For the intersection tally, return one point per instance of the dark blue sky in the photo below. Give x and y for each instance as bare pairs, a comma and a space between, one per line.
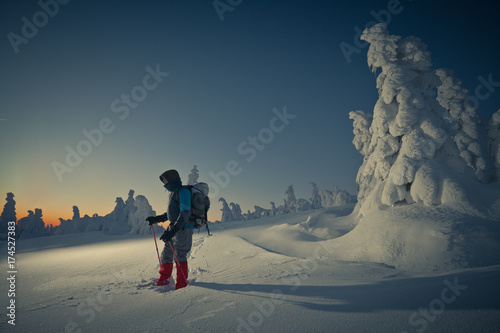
225, 78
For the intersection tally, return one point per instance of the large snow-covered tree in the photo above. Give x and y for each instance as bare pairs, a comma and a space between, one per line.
410, 137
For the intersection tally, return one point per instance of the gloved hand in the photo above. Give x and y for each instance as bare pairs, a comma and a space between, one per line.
155, 219
169, 234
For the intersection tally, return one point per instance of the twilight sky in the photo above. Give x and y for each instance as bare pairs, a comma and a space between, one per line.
261, 90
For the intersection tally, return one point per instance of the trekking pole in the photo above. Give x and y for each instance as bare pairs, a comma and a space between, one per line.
177, 261
154, 236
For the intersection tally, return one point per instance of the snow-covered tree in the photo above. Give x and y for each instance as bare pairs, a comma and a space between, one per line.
193, 176
130, 205
227, 214
138, 217
95, 223
407, 144
23, 222
303, 204
465, 125
315, 197
362, 135
64, 227
494, 135
291, 201
122, 210
8, 213
31, 225
362, 139
236, 211
76, 213
81, 224
119, 216
260, 212
274, 210
118, 213
337, 197
282, 208
248, 215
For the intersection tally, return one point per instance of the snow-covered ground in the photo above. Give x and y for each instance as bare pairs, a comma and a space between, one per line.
288, 273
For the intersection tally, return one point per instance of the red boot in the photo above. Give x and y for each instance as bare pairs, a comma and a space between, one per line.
165, 273
182, 275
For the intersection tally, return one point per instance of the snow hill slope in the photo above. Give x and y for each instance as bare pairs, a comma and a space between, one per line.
285, 273
462, 232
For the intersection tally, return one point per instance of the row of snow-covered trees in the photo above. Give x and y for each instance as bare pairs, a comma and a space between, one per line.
319, 199
425, 132
323, 198
127, 217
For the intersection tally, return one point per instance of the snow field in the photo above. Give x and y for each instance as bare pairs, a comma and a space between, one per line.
280, 273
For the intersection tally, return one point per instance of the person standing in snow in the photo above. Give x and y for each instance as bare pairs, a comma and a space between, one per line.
180, 231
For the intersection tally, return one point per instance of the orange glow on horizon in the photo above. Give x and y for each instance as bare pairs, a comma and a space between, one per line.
47, 217
52, 213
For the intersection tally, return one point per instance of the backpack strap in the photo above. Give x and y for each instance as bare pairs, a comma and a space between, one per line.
190, 221
176, 198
